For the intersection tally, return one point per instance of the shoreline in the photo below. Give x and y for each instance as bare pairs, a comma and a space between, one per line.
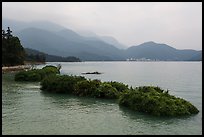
26, 66
15, 68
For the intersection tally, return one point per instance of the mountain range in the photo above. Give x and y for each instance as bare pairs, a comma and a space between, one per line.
50, 58
54, 39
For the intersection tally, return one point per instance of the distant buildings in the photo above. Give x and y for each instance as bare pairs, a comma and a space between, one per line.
141, 59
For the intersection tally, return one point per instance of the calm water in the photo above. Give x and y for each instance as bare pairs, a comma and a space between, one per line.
27, 110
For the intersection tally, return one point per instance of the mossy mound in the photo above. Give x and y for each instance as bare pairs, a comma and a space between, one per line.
156, 101
36, 74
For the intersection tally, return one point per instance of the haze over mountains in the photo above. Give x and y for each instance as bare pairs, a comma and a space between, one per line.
57, 40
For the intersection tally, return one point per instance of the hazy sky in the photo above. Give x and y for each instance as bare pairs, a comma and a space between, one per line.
178, 24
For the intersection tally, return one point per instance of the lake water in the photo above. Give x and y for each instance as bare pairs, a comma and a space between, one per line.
28, 110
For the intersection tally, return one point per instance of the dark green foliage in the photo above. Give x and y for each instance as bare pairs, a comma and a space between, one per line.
119, 86
60, 83
155, 101
36, 74
106, 90
65, 59
47, 70
12, 51
36, 57
86, 87
79, 86
31, 75
95, 88
148, 99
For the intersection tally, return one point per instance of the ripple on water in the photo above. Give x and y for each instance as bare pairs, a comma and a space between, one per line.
26, 110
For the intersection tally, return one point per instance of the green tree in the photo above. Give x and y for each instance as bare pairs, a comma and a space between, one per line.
12, 51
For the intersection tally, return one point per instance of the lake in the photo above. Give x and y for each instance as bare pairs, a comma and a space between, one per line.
28, 110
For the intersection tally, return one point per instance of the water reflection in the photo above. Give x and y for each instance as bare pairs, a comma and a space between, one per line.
134, 115
28, 110
64, 100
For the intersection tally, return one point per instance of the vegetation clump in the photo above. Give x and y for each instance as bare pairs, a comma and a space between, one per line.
36, 74
96, 89
148, 99
12, 51
60, 83
156, 101
86, 87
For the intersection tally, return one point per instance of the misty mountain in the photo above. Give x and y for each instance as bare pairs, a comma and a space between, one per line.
196, 57
108, 39
86, 33
13, 24
50, 26
70, 35
42, 40
20, 25
52, 58
54, 39
156, 51
113, 41
67, 43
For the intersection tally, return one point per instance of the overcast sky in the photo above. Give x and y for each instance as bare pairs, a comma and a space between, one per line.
176, 24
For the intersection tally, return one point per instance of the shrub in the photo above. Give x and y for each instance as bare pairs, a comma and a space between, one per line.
36, 74
32, 75
119, 86
20, 76
147, 99
86, 87
105, 90
60, 83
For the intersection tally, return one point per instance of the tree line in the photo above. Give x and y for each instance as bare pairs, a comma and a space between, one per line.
13, 52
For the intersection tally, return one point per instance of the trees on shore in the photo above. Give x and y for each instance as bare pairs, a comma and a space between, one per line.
12, 51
